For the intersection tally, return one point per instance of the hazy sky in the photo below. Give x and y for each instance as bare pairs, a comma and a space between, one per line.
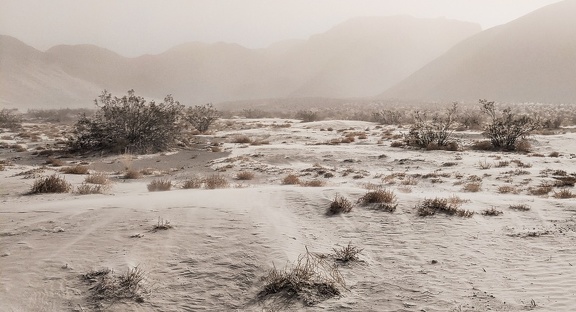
135, 27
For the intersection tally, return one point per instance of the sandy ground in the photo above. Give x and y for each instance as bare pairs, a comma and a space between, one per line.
224, 241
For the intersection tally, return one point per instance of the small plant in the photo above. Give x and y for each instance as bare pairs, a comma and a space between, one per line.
158, 185
519, 207
241, 139
431, 206
97, 178
78, 169
313, 183
85, 189
162, 225
310, 280
132, 174
291, 179
55, 162
216, 181
554, 154
192, 183
244, 175
472, 187
435, 133
50, 184
484, 165
541, 190
378, 196
491, 212
347, 253
112, 288
339, 205
505, 189
563, 194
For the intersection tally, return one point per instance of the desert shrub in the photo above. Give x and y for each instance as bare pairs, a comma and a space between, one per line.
564, 181
244, 175
505, 189
491, 212
112, 288
471, 120
97, 178
243, 139
431, 206
161, 225
554, 154
50, 184
54, 162
482, 145
85, 189
519, 207
388, 117
291, 179
339, 205
472, 187
396, 144
377, 196
307, 115
541, 190
132, 174
128, 123
347, 253
78, 169
563, 194
432, 134
310, 280
506, 128
202, 116
484, 165
216, 181
192, 183
313, 183
158, 185
9, 119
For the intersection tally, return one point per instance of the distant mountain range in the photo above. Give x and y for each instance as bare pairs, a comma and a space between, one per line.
531, 59
358, 58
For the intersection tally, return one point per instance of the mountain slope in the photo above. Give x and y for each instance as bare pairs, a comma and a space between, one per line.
531, 59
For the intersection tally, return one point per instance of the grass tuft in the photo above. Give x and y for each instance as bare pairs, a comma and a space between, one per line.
50, 184
158, 185
339, 205
347, 254
430, 207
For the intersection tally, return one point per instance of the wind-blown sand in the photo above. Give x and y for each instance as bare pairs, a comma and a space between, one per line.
224, 241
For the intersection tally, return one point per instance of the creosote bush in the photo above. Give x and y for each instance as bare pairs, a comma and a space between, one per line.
435, 133
129, 124
202, 116
50, 184
339, 205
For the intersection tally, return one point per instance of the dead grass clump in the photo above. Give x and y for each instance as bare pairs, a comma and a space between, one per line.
310, 280
192, 183
78, 169
472, 187
482, 146
55, 162
85, 189
484, 165
50, 184
339, 205
564, 181
158, 185
347, 254
491, 212
409, 181
519, 207
132, 174
505, 189
502, 163
554, 154
291, 179
97, 178
523, 146
216, 181
397, 144
313, 183
244, 175
162, 225
541, 190
430, 207
242, 139
377, 197
112, 288
563, 194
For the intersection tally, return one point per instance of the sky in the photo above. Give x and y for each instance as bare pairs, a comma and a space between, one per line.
136, 27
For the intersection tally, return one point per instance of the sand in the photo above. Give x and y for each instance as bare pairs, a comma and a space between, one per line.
224, 241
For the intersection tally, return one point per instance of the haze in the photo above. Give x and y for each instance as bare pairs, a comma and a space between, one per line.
136, 27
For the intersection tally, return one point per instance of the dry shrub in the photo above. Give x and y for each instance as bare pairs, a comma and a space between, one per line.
244, 175
310, 280
472, 187
192, 183
523, 146
519, 207
158, 185
85, 189
216, 181
97, 178
541, 190
502, 163
132, 174
291, 179
563, 194
482, 146
78, 169
484, 165
377, 197
313, 183
147, 171
55, 162
491, 212
161, 225
409, 181
397, 144
339, 205
347, 254
554, 154
50, 184
431, 206
564, 181
243, 139
505, 189
112, 288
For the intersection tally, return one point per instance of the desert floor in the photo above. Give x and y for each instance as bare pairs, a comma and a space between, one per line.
224, 241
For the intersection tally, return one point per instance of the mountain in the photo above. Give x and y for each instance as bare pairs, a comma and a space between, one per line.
354, 59
531, 59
